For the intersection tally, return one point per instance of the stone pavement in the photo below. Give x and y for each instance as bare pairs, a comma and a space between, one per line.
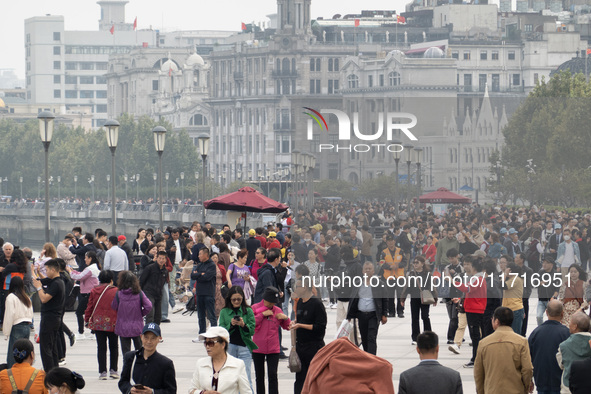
394, 344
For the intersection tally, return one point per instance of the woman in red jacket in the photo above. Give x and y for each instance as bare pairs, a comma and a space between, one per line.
429, 250
101, 318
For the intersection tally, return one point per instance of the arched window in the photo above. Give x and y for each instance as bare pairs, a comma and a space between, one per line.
278, 65
394, 78
293, 66
285, 66
198, 120
353, 81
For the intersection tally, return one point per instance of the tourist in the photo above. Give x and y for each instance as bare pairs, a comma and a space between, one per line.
18, 315
64, 381
419, 281
88, 280
21, 376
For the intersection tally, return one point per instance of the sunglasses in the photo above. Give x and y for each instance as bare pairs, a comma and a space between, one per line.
211, 342
236, 299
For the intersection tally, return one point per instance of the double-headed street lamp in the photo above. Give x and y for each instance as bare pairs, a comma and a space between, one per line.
203, 143
137, 187
75, 187
159, 140
46, 119
59, 187
112, 127
125, 179
295, 162
20, 180
418, 154
91, 181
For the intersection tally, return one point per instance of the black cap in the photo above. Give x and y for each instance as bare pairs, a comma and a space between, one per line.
271, 294
548, 258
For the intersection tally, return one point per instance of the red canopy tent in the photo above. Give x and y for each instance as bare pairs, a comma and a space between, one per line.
444, 196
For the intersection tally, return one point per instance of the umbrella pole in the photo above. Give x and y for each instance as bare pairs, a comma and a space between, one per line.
245, 216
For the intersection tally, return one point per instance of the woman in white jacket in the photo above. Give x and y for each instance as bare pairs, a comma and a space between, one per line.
17, 316
219, 372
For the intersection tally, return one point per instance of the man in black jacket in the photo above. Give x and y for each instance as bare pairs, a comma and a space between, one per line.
147, 367
268, 275
122, 241
80, 250
252, 244
152, 280
370, 307
204, 275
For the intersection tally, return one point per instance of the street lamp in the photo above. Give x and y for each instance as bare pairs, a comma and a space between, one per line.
125, 178
91, 181
20, 180
59, 187
112, 127
46, 131
196, 187
419, 152
159, 140
155, 176
498, 171
108, 187
268, 176
75, 187
408, 149
182, 186
531, 167
203, 143
396, 154
166, 176
137, 187
295, 160
38, 187
312, 167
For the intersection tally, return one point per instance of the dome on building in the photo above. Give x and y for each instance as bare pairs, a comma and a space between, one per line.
575, 65
434, 53
396, 53
169, 65
194, 59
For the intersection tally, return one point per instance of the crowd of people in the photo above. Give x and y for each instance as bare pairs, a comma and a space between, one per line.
251, 288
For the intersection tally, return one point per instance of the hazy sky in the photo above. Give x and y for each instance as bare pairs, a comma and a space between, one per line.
166, 15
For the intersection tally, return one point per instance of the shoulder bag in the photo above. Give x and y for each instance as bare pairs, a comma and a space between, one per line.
294, 364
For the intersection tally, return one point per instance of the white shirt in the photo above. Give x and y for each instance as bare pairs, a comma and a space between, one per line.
177, 257
569, 255
116, 259
232, 377
16, 312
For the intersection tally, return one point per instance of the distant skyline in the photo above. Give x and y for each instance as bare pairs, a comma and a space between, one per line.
169, 15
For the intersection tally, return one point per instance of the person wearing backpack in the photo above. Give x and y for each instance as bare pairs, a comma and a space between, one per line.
23, 377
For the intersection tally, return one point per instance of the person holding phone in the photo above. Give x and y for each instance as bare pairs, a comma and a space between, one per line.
238, 318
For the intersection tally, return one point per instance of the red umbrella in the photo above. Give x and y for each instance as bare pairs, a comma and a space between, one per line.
443, 196
246, 199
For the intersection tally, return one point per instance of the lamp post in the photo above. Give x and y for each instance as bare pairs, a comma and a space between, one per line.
137, 187
159, 140
295, 159
91, 181
419, 152
59, 187
498, 171
46, 131
268, 173
166, 176
531, 171
108, 186
20, 180
396, 154
182, 186
75, 187
155, 177
196, 187
203, 143
312, 167
408, 149
112, 127
305, 164
125, 178
38, 187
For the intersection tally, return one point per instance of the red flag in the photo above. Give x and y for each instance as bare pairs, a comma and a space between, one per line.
135, 23
144, 44
357, 22
243, 26
112, 29
588, 51
400, 19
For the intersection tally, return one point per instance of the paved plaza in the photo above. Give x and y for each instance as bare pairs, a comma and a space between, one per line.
394, 344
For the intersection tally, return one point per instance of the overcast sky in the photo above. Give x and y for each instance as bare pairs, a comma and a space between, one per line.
166, 15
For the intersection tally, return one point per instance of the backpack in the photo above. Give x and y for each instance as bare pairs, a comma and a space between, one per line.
15, 389
191, 306
532, 256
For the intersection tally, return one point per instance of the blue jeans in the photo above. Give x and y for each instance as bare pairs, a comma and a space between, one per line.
18, 331
206, 304
517, 321
540, 312
244, 354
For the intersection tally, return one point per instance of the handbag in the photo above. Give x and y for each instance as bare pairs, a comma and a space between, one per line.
427, 296
294, 362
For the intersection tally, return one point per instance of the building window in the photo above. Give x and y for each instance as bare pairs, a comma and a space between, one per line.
198, 120
57, 50
483, 55
57, 79
467, 79
370, 81
511, 55
101, 94
71, 79
466, 55
381, 79
481, 82
87, 94
71, 66
101, 80
455, 55
57, 65
315, 64
536, 78
516, 79
333, 86
101, 108
86, 80
353, 81
57, 93
496, 83
86, 66
56, 36
71, 94
333, 64
528, 28
101, 65
495, 55
314, 86
394, 78
155, 84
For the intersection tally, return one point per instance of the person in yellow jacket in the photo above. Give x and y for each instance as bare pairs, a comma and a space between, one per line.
23, 376
390, 267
